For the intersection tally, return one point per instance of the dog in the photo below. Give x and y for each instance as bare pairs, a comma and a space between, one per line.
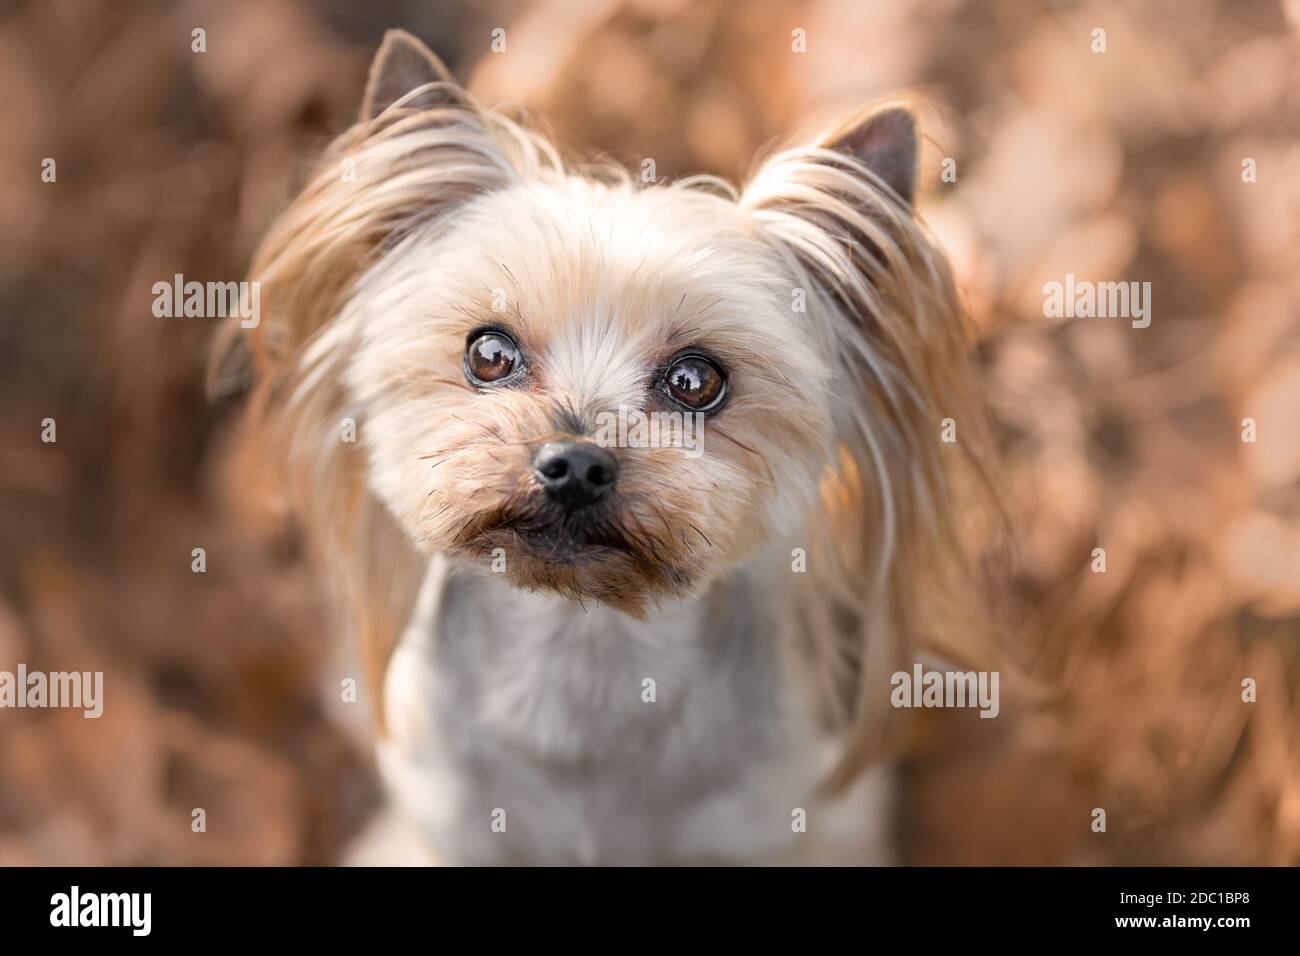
590, 650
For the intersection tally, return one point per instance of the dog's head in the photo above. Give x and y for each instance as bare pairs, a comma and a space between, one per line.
605, 388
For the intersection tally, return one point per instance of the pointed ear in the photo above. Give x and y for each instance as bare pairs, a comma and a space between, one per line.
403, 64
884, 140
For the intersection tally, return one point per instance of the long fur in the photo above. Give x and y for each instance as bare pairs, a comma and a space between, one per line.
900, 570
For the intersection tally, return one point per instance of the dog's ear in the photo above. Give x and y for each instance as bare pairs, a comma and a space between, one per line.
883, 140
881, 293
404, 64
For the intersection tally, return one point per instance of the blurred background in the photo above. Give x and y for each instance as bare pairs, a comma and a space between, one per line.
222, 687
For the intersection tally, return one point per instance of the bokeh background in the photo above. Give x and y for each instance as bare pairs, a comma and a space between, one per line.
222, 688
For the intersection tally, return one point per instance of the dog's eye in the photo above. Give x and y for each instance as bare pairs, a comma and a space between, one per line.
491, 357
696, 382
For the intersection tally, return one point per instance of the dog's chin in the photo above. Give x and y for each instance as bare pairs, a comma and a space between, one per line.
583, 560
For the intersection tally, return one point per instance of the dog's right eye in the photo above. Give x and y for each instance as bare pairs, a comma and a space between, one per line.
492, 357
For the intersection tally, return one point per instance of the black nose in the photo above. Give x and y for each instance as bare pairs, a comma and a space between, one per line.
575, 473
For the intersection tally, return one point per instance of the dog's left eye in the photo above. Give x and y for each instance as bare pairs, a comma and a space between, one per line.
491, 357
696, 382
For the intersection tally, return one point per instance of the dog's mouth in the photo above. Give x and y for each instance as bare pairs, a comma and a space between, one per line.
589, 554
554, 536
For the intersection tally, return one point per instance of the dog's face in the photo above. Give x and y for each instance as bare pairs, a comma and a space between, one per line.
603, 389
498, 352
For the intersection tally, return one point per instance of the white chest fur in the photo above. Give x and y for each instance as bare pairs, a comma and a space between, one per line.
528, 729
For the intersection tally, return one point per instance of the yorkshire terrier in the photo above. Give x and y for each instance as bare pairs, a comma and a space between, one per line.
586, 647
